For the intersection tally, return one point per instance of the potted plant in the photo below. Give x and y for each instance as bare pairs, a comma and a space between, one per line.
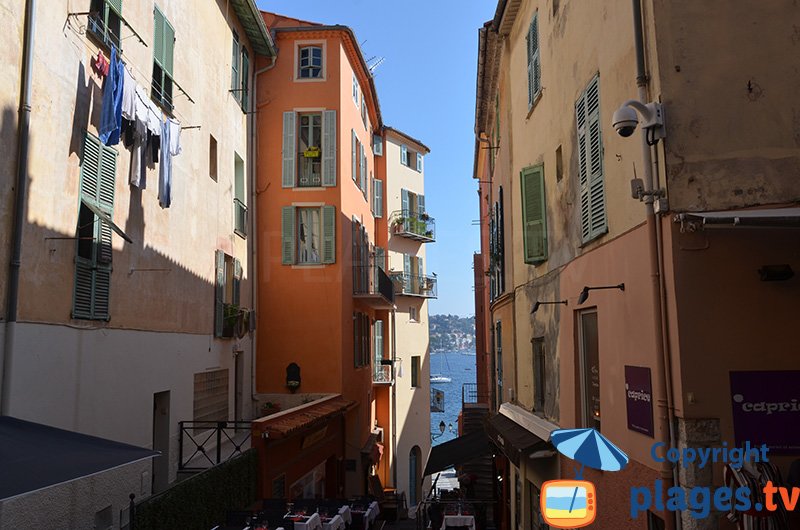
270, 407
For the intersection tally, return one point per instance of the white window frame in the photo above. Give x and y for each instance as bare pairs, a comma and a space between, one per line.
356, 90
296, 65
413, 315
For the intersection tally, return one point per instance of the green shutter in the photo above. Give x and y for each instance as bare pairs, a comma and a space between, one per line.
378, 198
363, 180
590, 163
287, 226
329, 148
102, 289
84, 285
158, 37
534, 214
378, 331
353, 142
235, 66
237, 281
245, 79
116, 5
328, 234
289, 148
407, 264
90, 167
219, 292
169, 47
404, 203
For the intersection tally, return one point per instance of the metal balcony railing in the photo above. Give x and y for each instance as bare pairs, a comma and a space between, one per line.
382, 373
437, 400
418, 226
371, 282
470, 394
239, 218
414, 285
204, 444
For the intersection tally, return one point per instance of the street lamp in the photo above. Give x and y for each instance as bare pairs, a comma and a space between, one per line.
442, 428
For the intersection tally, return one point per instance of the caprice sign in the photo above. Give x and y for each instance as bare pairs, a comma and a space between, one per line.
766, 409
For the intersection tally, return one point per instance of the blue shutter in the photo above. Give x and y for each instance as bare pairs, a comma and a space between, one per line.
289, 148
404, 155
404, 202
329, 148
353, 142
328, 234
288, 218
378, 184
419, 162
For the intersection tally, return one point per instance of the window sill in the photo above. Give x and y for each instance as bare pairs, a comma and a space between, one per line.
241, 234
309, 188
308, 266
535, 102
309, 79
593, 239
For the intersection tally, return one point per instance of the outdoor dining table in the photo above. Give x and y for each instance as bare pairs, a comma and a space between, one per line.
458, 520
333, 523
344, 511
305, 522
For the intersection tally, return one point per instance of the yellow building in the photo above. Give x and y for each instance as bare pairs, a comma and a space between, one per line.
127, 304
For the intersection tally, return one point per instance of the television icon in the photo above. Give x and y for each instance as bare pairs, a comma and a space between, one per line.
568, 503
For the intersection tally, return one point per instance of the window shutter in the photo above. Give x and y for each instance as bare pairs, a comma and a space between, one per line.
419, 162
169, 46
356, 339
158, 37
420, 268
107, 174
378, 198
404, 202
235, 66
328, 234
534, 214
245, 92
534, 64
353, 142
372, 197
289, 154
84, 285
363, 183
378, 342
237, 281
590, 163
102, 289
377, 145
404, 155
287, 229
219, 292
329, 148
407, 264
116, 5
420, 204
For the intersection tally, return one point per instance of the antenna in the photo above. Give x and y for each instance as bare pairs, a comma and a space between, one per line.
375, 64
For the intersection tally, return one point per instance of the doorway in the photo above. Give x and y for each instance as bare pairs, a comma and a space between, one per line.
161, 441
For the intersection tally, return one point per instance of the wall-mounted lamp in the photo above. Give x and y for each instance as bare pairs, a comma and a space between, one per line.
585, 292
538, 303
775, 273
292, 377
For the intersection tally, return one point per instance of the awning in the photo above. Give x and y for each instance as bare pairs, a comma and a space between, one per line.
457, 451
774, 217
373, 450
516, 441
35, 456
104, 217
300, 418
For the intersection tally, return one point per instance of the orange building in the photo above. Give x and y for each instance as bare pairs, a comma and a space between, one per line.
324, 299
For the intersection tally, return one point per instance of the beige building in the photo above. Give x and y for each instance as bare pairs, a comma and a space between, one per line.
411, 228
713, 168
129, 310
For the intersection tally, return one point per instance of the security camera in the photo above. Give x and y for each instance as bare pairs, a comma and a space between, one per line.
625, 121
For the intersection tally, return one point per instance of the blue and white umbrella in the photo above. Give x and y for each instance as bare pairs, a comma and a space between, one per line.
589, 448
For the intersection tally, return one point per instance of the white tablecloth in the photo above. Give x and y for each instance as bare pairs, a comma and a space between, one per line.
372, 512
344, 511
336, 523
312, 523
458, 520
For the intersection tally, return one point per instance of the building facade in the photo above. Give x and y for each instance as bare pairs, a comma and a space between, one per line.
593, 292
127, 304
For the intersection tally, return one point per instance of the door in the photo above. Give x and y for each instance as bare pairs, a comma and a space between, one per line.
238, 375
161, 441
413, 475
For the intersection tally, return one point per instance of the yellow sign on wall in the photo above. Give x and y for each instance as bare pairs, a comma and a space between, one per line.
311, 152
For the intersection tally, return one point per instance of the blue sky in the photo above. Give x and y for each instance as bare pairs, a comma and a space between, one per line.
426, 88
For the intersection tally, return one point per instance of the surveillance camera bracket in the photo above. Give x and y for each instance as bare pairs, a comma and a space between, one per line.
652, 116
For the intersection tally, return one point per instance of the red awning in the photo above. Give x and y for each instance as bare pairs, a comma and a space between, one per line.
300, 418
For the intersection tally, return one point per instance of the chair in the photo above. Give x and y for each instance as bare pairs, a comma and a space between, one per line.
389, 501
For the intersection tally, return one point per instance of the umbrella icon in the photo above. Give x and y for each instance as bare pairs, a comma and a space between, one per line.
589, 448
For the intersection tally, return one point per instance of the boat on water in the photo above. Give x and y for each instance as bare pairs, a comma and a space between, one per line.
439, 378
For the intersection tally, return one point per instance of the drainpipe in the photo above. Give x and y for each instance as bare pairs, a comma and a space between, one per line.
253, 140
667, 418
23, 133
394, 399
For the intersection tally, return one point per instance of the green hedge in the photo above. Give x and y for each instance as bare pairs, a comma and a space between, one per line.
201, 502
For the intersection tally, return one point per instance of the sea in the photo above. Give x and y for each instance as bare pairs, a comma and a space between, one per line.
460, 368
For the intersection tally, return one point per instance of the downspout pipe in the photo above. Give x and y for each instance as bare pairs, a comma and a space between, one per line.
394, 398
20, 198
667, 417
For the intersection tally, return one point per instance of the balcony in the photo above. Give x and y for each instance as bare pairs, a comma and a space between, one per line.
413, 225
382, 373
372, 286
437, 400
239, 218
414, 285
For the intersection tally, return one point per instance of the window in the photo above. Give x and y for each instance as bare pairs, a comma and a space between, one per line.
590, 163
364, 112
363, 179
310, 62
377, 145
537, 522
377, 197
404, 155
412, 314
211, 396
654, 522
240, 72
309, 149
228, 318
414, 281
356, 152
518, 508
361, 339
589, 369
539, 380
533, 214
559, 164
534, 62
96, 211
497, 249
105, 21
308, 235
356, 90
309, 140
239, 198
415, 371
360, 257
212, 157
163, 48
419, 162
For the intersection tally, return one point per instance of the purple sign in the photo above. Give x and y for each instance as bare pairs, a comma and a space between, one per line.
639, 399
766, 409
